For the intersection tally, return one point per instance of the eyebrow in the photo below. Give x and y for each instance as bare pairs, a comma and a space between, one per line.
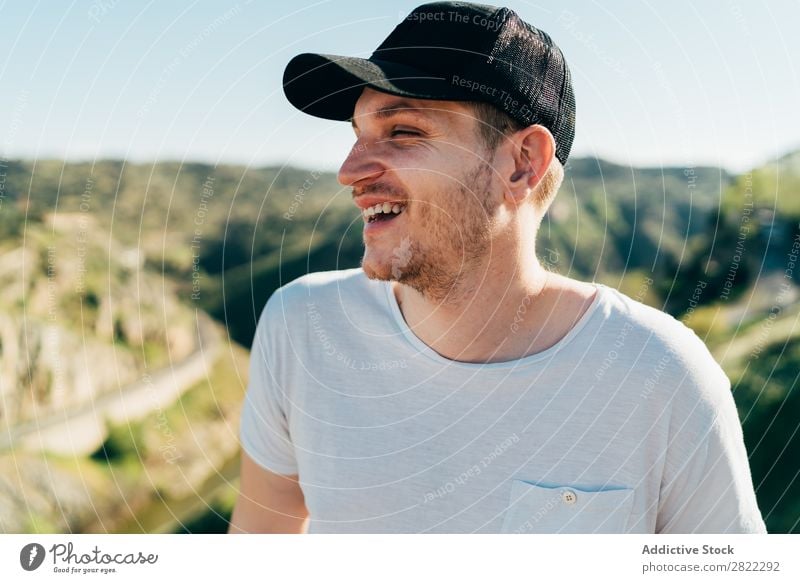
392, 110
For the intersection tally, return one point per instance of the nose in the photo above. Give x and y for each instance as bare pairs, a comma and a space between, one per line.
361, 165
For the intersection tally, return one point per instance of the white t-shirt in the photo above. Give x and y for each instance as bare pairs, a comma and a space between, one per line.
625, 425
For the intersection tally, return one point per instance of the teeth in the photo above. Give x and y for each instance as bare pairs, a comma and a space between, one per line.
383, 207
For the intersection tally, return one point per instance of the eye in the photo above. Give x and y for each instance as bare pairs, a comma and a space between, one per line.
404, 132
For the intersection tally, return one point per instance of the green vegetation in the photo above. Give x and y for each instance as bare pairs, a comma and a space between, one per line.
121, 445
768, 397
185, 457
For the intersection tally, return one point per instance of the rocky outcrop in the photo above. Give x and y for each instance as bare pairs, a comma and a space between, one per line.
80, 318
39, 494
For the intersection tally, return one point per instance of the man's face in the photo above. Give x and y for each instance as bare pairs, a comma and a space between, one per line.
424, 159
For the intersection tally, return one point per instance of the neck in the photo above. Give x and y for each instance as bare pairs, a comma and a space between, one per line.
497, 311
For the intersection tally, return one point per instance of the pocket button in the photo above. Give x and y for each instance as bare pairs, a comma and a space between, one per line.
569, 496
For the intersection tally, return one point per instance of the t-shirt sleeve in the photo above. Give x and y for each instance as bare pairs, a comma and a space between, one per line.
264, 429
710, 489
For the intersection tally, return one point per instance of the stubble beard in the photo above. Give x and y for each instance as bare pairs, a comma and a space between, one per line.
442, 267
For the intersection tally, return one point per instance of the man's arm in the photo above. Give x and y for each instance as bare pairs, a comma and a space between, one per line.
268, 502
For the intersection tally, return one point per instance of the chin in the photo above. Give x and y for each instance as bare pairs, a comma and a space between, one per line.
380, 270
401, 264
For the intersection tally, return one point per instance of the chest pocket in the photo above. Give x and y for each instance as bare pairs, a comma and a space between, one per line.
565, 509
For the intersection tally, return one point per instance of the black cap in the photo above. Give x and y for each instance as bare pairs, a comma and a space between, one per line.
453, 51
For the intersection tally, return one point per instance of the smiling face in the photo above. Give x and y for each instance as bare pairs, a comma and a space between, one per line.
427, 189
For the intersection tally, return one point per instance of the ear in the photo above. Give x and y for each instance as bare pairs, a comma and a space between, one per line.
533, 149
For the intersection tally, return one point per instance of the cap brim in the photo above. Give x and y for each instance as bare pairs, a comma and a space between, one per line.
328, 86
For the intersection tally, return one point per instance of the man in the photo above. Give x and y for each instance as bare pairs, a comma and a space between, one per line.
453, 384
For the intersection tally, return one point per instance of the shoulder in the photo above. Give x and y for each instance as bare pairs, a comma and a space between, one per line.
662, 331
333, 293
321, 286
674, 365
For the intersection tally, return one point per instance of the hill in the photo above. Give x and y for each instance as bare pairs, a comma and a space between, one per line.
167, 239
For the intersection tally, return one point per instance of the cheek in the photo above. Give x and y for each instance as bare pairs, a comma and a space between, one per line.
439, 224
428, 212
444, 203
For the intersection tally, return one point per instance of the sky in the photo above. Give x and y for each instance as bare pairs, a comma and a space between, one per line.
657, 84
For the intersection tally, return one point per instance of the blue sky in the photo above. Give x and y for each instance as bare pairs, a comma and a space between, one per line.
656, 83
